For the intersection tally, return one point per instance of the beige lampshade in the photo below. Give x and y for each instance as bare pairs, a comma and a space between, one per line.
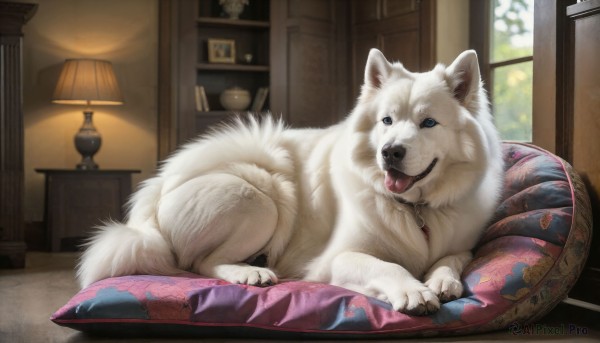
87, 82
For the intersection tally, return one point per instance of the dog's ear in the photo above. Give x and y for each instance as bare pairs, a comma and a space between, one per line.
378, 69
463, 77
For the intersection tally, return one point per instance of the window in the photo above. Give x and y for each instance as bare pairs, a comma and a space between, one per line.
503, 36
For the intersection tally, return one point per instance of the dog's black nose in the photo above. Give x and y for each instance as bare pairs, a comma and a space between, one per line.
393, 153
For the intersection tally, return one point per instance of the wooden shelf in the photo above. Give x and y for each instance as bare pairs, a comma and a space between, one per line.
218, 113
239, 23
233, 67
201, 21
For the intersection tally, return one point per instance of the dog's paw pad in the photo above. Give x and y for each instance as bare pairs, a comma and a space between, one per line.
265, 278
256, 276
446, 288
415, 300
246, 275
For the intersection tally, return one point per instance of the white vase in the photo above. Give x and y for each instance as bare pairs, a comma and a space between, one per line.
233, 7
235, 99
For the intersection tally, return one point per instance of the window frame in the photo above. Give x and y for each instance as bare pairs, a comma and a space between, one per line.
479, 33
480, 39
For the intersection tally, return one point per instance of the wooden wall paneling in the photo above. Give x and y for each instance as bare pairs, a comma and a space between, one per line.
319, 10
566, 104
167, 78
307, 66
395, 44
13, 17
361, 45
278, 56
404, 30
583, 87
549, 24
394, 8
342, 59
578, 140
310, 62
427, 36
479, 37
187, 60
209, 119
365, 11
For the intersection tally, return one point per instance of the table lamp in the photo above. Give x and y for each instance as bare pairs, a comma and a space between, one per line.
87, 82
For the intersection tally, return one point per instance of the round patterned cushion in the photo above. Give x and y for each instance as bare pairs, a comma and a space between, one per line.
535, 248
527, 261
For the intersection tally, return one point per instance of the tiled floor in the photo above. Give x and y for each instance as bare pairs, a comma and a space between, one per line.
28, 297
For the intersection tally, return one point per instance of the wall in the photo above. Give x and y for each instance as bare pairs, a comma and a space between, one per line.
452, 32
123, 32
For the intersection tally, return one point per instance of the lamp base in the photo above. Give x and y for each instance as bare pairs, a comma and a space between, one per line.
87, 143
87, 164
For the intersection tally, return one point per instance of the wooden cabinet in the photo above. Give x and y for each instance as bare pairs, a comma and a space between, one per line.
192, 25
78, 200
299, 49
250, 37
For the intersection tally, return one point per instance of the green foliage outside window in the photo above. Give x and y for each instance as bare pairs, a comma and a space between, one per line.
512, 37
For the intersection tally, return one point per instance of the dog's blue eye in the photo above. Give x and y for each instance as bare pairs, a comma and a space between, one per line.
387, 120
429, 122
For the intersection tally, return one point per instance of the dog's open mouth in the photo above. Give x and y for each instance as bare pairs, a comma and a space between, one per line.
398, 182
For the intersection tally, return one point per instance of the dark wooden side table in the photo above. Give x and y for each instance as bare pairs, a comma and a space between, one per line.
79, 200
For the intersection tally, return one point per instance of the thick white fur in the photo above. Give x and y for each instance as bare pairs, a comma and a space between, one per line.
314, 201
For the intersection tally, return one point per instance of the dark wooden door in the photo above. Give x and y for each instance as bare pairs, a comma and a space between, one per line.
402, 29
309, 61
566, 104
579, 136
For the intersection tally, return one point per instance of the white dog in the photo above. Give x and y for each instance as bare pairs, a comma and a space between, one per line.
397, 193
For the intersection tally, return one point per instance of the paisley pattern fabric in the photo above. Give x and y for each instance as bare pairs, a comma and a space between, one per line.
526, 262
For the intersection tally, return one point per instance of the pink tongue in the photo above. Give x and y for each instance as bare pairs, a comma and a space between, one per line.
396, 181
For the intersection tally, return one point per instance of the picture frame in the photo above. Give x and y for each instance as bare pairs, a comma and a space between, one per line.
221, 50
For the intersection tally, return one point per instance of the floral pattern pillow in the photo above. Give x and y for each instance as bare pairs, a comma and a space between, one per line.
526, 262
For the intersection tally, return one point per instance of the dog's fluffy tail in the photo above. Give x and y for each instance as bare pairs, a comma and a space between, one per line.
121, 250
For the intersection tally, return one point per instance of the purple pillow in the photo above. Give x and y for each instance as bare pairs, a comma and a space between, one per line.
526, 262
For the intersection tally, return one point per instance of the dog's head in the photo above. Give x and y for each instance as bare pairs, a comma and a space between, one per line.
424, 137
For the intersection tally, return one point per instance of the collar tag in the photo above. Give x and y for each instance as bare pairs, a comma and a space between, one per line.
418, 215
420, 220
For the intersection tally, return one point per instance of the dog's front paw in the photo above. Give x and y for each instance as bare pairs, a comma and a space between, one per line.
246, 274
446, 287
415, 299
